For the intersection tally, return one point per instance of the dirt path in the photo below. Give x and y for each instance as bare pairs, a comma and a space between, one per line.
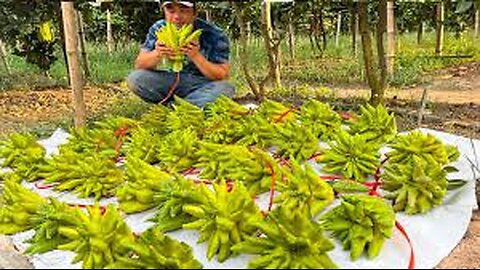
456, 85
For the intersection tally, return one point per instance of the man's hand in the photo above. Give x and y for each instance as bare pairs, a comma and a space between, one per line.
192, 50
163, 51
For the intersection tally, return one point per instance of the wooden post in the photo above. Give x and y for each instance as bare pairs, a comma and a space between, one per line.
208, 15
3, 56
75, 72
477, 22
339, 29
109, 31
248, 33
440, 28
421, 110
83, 49
390, 38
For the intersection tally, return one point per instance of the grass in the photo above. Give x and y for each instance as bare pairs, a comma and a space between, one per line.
334, 66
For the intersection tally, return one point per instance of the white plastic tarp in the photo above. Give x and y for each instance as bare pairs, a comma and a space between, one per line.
433, 235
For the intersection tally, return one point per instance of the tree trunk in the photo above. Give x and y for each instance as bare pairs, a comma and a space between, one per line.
291, 39
390, 38
440, 28
381, 31
3, 57
272, 53
368, 57
477, 22
354, 30
83, 49
420, 32
239, 16
71, 42
109, 31
339, 29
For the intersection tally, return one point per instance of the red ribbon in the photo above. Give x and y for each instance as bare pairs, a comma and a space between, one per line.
314, 156
284, 114
39, 186
172, 88
103, 209
411, 262
119, 133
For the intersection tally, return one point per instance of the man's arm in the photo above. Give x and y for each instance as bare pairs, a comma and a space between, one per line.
215, 72
147, 59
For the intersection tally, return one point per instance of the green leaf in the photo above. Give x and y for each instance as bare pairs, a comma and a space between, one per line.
455, 184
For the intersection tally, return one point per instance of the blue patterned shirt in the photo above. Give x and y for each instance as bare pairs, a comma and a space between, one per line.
214, 43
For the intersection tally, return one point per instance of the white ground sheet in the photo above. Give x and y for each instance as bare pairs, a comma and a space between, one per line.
433, 235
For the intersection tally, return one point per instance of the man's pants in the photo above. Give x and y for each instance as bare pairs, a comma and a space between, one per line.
153, 86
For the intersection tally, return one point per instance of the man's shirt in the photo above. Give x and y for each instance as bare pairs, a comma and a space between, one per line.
214, 44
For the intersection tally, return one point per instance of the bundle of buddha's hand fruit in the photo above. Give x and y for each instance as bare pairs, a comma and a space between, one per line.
175, 38
223, 219
321, 118
143, 180
48, 220
289, 240
103, 138
154, 250
276, 112
178, 149
351, 156
415, 187
156, 119
303, 190
224, 117
361, 223
293, 140
375, 124
423, 146
85, 174
170, 197
144, 143
96, 237
185, 115
22, 154
18, 207
237, 163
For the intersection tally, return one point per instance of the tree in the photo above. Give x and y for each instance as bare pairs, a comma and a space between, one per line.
376, 74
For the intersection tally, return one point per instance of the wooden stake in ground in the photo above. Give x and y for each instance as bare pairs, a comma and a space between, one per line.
440, 28
477, 22
390, 38
109, 31
421, 110
339, 29
3, 57
75, 72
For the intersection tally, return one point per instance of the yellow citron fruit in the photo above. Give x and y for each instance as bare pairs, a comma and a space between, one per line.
45, 31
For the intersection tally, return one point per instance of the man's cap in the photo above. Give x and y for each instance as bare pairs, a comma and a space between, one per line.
185, 3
